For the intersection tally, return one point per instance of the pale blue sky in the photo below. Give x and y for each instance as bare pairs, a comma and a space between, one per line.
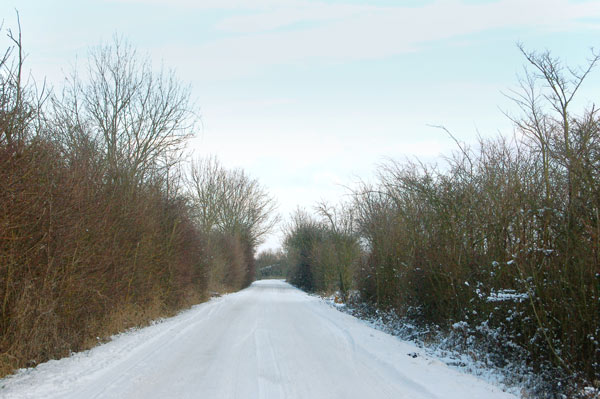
307, 95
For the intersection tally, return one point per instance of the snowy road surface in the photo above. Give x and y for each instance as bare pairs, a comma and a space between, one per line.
268, 341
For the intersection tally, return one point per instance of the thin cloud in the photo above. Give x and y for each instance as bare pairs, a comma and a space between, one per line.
301, 32
215, 4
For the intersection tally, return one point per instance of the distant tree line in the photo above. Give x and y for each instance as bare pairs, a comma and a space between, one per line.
271, 264
504, 238
103, 226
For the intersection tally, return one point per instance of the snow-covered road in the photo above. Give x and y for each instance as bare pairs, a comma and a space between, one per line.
268, 341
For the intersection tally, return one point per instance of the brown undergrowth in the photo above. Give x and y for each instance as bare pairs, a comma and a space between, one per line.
97, 234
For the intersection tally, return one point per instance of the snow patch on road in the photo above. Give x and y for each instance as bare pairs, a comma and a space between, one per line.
268, 341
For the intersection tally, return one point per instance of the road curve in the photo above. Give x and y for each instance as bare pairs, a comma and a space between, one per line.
267, 341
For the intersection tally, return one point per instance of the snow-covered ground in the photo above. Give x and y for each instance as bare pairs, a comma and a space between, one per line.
267, 341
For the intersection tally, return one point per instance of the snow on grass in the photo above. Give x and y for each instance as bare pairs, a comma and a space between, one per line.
515, 378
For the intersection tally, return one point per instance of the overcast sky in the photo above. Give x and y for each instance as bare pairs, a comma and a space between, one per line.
310, 95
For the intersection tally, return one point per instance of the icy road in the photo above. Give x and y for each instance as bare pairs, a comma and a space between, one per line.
268, 341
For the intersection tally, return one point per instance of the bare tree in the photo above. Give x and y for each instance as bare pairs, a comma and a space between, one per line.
544, 98
138, 119
560, 85
231, 201
20, 100
206, 182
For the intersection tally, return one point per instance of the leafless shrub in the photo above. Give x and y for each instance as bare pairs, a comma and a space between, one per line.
504, 238
95, 235
230, 205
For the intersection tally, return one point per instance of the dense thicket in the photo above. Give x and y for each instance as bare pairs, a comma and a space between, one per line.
322, 252
98, 232
502, 242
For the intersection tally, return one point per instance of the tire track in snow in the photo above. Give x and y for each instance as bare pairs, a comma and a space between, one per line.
266, 342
